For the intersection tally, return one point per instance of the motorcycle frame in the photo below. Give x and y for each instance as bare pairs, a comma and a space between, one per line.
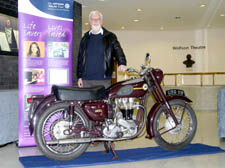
162, 101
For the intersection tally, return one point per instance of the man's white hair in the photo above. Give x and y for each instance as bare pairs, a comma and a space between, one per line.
96, 12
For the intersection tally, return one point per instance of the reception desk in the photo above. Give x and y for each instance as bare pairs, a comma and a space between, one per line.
8, 116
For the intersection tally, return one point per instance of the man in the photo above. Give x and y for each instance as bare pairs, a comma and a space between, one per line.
98, 47
10, 35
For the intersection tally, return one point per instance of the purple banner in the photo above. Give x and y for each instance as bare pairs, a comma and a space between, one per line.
45, 53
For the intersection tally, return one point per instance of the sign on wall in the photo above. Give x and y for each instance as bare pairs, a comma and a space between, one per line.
191, 47
45, 53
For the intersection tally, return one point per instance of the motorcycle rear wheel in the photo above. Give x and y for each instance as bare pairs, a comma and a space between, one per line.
52, 125
170, 138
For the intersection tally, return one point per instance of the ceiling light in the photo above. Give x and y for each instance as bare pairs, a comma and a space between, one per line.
122, 27
222, 15
202, 5
136, 20
138, 10
102, 0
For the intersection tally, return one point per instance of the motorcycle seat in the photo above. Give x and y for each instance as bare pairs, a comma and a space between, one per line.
75, 93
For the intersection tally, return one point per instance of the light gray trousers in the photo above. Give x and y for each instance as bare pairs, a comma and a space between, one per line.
92, 83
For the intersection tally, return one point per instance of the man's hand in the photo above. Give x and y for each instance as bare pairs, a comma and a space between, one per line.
80, 83
122, 68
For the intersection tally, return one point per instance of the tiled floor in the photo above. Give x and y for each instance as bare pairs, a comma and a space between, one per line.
206, 134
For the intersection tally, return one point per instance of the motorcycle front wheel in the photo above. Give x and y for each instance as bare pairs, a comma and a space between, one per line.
52, 125
169, 136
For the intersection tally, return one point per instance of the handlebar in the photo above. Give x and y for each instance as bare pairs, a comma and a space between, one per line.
132, 70
144, 67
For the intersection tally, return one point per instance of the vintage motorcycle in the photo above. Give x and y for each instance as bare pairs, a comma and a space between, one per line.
66, 121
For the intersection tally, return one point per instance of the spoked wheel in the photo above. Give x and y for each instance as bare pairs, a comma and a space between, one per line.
53, 125
167, 135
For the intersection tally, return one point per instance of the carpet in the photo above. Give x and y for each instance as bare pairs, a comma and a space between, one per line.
129, 155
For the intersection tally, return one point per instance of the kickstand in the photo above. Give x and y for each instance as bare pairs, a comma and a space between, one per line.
110, 147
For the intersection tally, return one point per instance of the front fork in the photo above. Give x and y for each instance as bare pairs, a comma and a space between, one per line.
169, 112
160, 97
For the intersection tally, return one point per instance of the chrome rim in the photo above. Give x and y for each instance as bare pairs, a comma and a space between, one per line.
166, 125
54, 127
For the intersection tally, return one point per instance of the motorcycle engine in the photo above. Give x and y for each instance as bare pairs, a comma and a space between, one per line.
123, 124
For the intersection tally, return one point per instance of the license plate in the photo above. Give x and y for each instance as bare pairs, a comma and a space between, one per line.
173, 92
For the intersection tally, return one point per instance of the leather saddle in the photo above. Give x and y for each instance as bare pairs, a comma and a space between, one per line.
75, 93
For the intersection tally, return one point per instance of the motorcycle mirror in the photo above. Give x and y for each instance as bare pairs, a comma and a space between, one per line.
147, 59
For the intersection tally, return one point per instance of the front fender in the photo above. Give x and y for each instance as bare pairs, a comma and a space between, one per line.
48, 100
184, 98
155, 109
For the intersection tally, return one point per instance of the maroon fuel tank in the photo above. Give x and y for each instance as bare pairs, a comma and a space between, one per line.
129, 88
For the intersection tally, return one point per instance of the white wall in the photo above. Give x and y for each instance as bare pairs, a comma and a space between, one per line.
160, 45
216, 50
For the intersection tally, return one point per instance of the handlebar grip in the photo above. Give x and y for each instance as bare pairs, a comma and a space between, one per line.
129, 70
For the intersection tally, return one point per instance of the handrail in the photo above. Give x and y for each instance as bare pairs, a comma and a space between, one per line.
194, 74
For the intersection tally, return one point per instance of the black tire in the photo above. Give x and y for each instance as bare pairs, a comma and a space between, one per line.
182, 135
50, 127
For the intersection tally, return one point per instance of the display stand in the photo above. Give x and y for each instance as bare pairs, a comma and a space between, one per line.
221, 113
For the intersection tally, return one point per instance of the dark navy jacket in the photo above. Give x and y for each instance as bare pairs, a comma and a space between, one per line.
111, 48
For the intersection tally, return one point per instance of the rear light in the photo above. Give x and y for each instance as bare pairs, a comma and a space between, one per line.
30, 100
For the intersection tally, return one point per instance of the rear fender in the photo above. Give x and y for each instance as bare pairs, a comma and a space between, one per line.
155, 109
44, 104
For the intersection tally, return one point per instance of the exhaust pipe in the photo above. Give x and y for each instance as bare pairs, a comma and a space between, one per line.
69, 141
80, 140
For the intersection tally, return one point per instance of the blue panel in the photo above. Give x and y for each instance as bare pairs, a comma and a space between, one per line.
129, 155
60, 8
221, 113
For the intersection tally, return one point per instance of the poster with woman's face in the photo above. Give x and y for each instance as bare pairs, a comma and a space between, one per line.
8, 33
34, 49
